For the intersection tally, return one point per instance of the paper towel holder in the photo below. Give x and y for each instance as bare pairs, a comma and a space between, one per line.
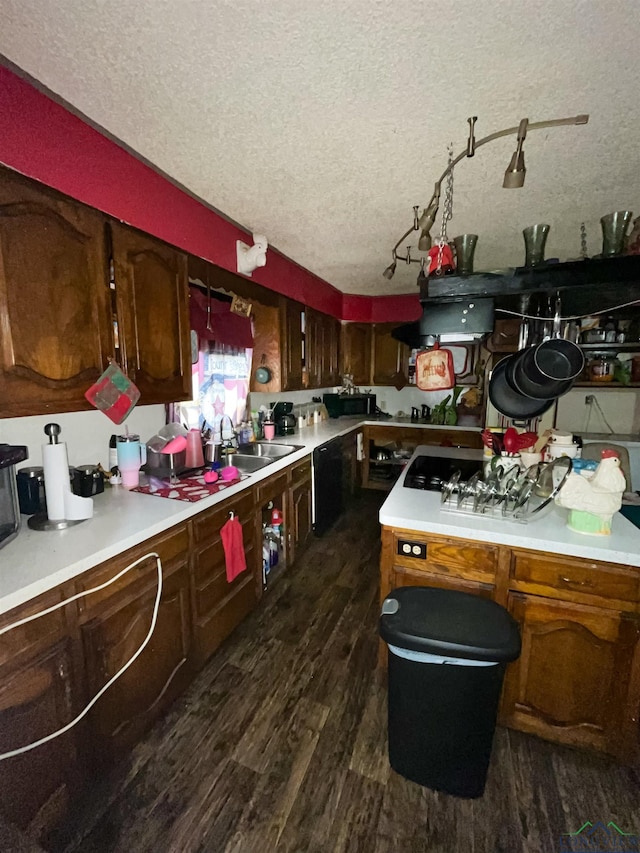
41, 521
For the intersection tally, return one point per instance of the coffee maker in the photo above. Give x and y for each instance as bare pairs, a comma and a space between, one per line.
285, 420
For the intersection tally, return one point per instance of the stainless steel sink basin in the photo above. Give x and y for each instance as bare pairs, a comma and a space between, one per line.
247, 464
270, 449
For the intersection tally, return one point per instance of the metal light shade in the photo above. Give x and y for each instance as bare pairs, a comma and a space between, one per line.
515, 173
425, 242
390, 270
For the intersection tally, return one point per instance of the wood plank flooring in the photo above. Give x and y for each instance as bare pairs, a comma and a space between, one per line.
280, 745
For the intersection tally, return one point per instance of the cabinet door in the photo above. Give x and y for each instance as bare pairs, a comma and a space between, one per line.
390, 357
153, 315
313, 347
220, 605
330, 352
37, 699
291, 345
356, 351
570, 683
300, 526
142, 693
54, 299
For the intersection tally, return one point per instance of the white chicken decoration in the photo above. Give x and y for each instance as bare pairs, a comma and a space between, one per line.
593, 502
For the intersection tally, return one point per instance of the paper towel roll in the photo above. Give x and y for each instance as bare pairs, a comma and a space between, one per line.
62, 504
56, 478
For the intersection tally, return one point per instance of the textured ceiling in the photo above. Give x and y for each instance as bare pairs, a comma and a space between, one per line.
321, 124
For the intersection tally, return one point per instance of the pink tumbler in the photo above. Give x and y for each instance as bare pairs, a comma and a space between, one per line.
195, 456
269, 428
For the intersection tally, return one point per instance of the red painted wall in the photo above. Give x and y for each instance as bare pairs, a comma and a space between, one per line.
41, 139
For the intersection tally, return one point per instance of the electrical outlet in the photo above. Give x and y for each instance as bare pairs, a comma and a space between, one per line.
417, 550
589, 400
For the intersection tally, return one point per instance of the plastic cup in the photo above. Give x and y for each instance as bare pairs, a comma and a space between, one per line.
269, 429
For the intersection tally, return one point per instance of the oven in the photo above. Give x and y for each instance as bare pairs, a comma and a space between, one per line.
10, 455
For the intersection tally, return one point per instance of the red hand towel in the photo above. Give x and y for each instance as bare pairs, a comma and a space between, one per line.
231, 535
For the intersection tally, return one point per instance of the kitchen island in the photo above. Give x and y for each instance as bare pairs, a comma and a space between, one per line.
576, 598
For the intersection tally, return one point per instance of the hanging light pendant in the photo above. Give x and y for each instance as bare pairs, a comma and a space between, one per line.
516, 171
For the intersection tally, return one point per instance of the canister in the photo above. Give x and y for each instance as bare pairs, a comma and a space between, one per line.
88, 480
30, 482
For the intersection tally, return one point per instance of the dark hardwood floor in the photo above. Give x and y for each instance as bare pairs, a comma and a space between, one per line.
280, 745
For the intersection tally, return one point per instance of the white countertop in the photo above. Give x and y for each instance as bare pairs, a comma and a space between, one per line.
413, 509
35, 562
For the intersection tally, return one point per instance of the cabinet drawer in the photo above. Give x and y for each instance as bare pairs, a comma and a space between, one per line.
40, 633
454, 557
271, 488
210, 576
301, 471
561, 576
169, 546
207, 525
408, 577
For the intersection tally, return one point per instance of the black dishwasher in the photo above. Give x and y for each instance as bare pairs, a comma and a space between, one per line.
327, 485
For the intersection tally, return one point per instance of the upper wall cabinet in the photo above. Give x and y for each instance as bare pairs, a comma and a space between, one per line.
55, 317
153, 315
291, 344
390, 357
322, 347
357, 339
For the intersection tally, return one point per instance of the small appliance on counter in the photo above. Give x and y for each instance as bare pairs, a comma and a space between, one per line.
10, 455
340, 405
284, 418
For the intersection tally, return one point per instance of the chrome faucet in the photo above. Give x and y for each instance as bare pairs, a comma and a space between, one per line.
228, 442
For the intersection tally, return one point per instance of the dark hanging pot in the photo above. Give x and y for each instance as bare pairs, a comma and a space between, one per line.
520, 369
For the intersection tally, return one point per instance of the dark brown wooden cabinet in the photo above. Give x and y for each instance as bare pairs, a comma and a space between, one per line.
300, 508
291, 344
54, 299
571, 681
322, 348
390, 357
577, 680
39, 693
219, 605
357, 339
114, 623
153, 315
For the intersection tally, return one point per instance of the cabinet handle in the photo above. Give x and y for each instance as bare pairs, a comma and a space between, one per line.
575, 583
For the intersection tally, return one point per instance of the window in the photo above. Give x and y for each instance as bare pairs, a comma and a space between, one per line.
220, 386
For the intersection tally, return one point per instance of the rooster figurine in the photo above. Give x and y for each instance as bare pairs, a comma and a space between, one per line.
593, 502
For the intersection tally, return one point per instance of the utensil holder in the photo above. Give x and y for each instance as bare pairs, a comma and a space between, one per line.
535, 238
614, 230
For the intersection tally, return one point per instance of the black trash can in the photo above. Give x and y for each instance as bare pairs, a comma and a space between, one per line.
448, 653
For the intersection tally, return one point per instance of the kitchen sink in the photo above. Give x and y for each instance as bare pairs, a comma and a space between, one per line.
269, 449
248, 464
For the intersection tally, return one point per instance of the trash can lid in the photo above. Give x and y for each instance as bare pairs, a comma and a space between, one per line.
449, 623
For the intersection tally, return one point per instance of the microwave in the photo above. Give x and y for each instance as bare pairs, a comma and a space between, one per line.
339, 405
10, 455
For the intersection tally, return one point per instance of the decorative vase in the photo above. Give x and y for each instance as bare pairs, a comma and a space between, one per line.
614, 229
535, 238
465, 245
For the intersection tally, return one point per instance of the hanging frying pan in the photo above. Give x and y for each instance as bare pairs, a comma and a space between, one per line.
536, 386
511, 403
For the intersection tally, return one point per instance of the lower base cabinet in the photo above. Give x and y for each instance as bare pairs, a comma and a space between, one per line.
301, 497
37, 788
219, 606
577, 681
142, 693
51, 668
571, 682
